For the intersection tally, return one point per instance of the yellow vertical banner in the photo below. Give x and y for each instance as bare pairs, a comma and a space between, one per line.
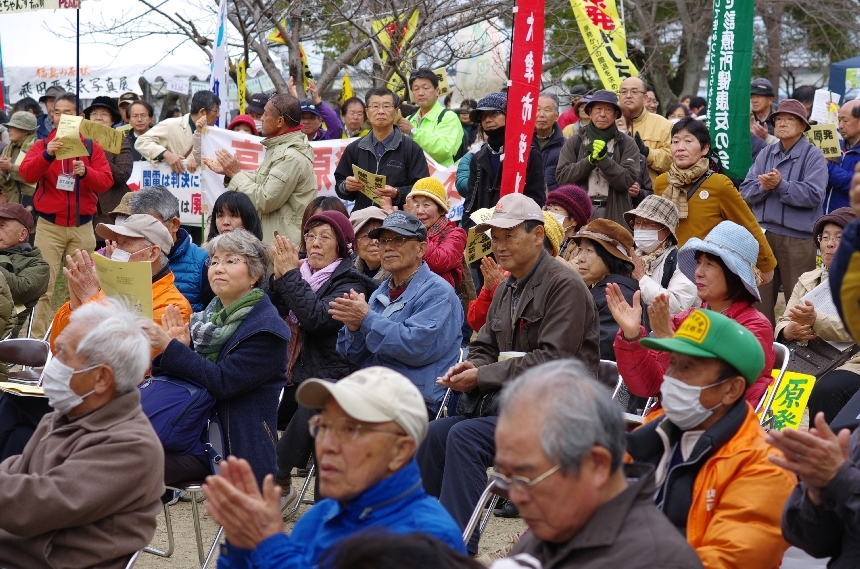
241, 75
604, 37
346, 88
385, 31
306, 69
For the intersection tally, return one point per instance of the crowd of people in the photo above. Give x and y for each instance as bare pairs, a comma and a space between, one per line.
350, 332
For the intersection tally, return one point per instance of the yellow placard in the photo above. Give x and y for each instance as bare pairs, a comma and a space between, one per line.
825, 138
603, 33
22, 389
370, 182
18, 161
790, 400
442, 75
69, 133
109, 139
124, 129
275, 36
478, 245
129, 282
386, 28
346, 88
482, 215
241, 78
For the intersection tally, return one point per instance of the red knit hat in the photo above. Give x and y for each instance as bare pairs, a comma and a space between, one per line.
342, 228
246, 120
575, 202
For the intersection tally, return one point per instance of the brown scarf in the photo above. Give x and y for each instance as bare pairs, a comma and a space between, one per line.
679, 178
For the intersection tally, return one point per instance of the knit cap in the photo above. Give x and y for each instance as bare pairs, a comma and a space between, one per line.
341, 226
575, 202
554, 232
433, 189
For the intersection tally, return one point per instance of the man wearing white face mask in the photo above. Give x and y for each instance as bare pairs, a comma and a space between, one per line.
714, 480
655, 264
86, 490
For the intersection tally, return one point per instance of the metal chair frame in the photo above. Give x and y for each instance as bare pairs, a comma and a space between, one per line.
133, 560
194, 489
301, 499
765, 406
489, 497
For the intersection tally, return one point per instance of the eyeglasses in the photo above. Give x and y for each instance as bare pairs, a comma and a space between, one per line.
828, 239
521, 483
228, 262
631, 92
490, 114
394, 241
646, 224
386, 108
365, 238
324, 240
343, 429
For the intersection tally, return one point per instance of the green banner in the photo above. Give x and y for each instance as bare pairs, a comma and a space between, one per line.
729, 84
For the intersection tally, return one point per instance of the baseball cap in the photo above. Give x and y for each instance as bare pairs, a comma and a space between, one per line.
310, 108
53, 91
17, 212
512, 210
708, 334
128, 97
401, 223
761, 86
373, 395
257, 103
139, 226
362, 217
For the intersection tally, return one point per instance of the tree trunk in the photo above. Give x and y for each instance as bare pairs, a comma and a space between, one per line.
771, 13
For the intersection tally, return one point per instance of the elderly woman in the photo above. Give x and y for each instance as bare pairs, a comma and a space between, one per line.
237, 349
723, 268
606, 257
655, 264
571, 207
428, 201
302, 290
234, 210
801, 322
703, 198
367, 254
318, 205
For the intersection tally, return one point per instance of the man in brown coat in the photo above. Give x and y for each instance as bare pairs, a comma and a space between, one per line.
543, 312
86, 490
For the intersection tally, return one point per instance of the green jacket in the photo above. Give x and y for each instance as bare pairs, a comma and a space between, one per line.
25, 273
440, 139
283, 186
12, 185
8, 318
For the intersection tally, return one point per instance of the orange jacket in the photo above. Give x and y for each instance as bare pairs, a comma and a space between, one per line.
164, 292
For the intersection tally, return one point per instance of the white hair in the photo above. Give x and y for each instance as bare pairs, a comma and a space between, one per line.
115, 336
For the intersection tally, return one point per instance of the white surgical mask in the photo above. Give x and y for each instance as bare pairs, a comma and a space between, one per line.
647, 239
56, 380
259, 125
558, 217
120, 255
681, 403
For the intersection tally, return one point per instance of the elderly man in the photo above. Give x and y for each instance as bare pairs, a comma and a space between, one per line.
385, 150
436, 129
651, 102
543, 312
761, 107
651, 132
411, 323
170, 141
21, 264
785, 188
714, 480
602, 159
840, 170
352, 115
366, 436
22, 136
47, 120
284, 184
86, 490
314, 113
124, 102
549, 137
584, 508
187, 261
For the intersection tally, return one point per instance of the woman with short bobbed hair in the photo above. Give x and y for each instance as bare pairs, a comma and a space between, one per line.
237, 349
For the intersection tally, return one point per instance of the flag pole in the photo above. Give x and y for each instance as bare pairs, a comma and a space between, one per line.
78, 60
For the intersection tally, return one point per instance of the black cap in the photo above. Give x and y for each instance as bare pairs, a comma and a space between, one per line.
401, 223
578, 90
761, 86
257, 103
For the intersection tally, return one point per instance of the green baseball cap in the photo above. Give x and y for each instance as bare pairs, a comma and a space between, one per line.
708, 334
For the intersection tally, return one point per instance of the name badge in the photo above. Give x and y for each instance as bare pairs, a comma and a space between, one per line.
66, 183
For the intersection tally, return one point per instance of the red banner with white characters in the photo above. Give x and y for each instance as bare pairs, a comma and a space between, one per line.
523, 91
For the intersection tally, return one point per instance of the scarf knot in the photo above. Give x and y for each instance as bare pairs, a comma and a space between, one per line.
678, 178
213, 327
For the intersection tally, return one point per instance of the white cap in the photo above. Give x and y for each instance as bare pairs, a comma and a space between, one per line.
373, 395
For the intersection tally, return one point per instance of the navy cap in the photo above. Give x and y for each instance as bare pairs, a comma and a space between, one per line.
402, 223
308, 107
761, 86
257, 103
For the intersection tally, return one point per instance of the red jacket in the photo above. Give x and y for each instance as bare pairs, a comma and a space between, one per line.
444, 253
479, 308
643, 369
59, 206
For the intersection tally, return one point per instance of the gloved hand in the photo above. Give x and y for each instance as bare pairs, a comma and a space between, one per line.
643, 150
598, 152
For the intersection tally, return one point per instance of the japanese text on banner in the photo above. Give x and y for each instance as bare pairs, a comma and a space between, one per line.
523, 93
603, 34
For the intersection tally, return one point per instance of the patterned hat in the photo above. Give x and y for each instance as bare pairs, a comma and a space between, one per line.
732, 243
656, 209
617, 240
492, 102
554, 232
433, 189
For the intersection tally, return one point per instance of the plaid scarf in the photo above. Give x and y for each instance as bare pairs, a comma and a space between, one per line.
211, 328
678, 178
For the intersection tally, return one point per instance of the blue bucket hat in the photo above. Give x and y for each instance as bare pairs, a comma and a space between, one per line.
732, 243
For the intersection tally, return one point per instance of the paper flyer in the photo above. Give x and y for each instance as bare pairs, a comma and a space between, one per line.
129, 282
369, 183
68, 132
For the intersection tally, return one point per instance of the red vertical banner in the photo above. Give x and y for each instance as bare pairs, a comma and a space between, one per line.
523, 91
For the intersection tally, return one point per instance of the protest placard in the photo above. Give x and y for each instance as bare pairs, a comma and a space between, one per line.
18, 162
69, 133
128, 282
444, 86
790, 401
478, 245
109, 139
825, 137
825, 107
179, 85
370, 182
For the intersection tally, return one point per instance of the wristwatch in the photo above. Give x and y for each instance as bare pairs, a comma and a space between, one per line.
413, 131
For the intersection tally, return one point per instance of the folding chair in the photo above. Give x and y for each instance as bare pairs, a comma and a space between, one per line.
622, 395
491, 494
301, 499
443, 408
28, 353
133, 560
765, 405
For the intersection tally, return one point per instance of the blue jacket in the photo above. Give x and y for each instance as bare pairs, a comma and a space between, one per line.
791, 208
188, 263
245, 380
397, 503
840, 174
42, 130
417, 335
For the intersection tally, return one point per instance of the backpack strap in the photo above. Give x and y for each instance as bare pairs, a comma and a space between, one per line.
698, 184
669, 267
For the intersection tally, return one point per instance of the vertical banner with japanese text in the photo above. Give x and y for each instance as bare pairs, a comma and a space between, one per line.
241, 79
218, 77
603, 33
523, 91
729, 84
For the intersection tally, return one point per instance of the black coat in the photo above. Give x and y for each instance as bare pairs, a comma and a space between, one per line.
608, 325
550, 153
318, 356
485, 186
403, 163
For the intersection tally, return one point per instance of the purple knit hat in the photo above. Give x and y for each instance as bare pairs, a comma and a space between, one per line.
342, 228
574, 200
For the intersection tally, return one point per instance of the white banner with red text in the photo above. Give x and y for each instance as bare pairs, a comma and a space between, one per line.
198, 191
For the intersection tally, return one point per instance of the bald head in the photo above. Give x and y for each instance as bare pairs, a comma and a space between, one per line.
849, 122
632, 97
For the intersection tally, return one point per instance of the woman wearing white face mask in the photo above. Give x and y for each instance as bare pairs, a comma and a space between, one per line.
571, 207
655, 264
